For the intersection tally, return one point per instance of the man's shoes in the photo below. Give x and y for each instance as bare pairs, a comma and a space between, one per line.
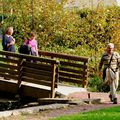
110, 96
115, 101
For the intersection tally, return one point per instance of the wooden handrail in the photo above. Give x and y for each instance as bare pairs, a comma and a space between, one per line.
20, 67
65, 56
72, 68
28, 57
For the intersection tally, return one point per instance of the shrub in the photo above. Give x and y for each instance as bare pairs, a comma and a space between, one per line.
94, 83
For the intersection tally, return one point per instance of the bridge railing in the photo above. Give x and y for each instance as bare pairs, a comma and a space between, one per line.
71, 69
29, 69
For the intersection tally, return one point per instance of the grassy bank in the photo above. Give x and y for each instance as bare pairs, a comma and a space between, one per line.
103, 114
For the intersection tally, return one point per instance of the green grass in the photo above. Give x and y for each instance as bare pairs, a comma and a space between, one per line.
112, 113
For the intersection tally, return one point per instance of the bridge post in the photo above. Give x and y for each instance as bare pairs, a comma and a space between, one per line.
53, 81
85, 82
20, 75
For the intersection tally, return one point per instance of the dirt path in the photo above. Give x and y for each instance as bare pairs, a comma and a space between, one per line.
93, 95
105, 102
76, 109
45, 115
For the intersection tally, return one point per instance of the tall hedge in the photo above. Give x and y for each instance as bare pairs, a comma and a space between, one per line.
74, 31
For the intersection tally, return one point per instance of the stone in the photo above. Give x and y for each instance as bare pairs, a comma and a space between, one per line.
92, 101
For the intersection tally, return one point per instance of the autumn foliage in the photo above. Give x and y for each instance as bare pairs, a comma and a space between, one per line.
82, 32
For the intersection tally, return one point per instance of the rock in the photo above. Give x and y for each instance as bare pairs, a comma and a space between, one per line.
92, 101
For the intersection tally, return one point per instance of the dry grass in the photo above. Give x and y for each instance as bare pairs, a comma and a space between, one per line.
26, 117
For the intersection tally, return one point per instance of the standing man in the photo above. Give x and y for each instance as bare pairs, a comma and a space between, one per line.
8, 42
111, 60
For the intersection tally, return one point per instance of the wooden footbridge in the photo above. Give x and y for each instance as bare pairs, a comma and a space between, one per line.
39, 77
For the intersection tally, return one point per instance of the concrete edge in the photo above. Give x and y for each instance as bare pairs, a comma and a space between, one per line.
30, 110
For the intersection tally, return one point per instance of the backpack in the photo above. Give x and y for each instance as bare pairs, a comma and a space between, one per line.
24, 49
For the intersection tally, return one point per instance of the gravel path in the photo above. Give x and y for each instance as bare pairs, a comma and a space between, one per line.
105, 102
93, 95
76, 109
72, 109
